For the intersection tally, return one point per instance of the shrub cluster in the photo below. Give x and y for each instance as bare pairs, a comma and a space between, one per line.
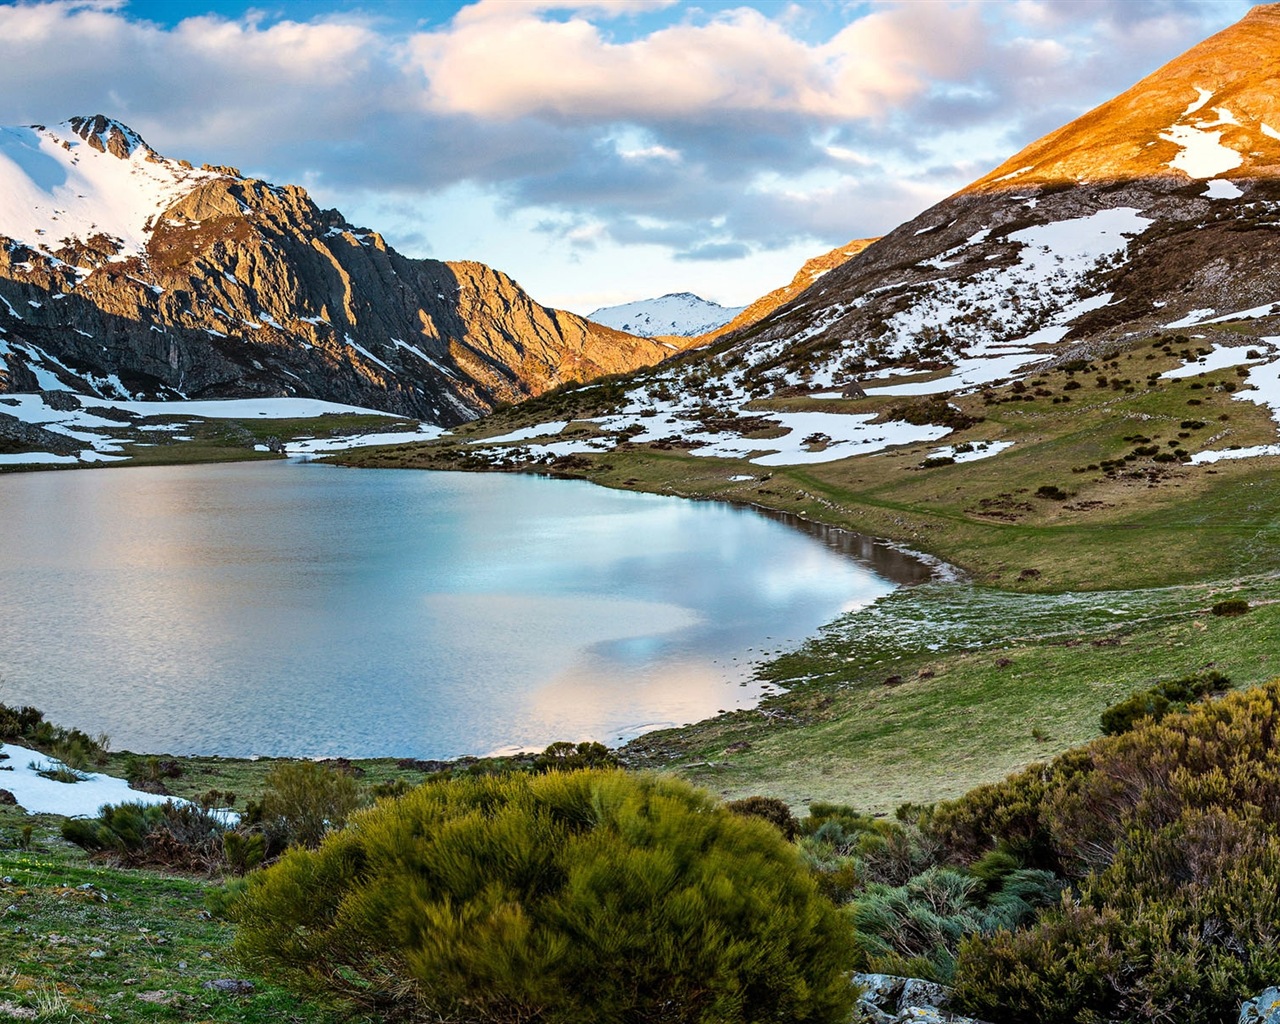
169, 834
1169, 834
27, 726
588, 896
911, 911
1160, 700
301, 802
933, 410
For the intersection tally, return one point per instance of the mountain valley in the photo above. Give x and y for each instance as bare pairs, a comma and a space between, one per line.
1037, 765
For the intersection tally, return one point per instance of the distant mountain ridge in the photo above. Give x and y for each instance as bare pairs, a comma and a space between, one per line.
125, 273
677, 314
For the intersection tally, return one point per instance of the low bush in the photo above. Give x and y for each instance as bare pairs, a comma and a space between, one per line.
301, 801
148, 774
1159, 700
591, 896
1230, 607
27, 726
916, 929
567, 757
771, 809
173, 835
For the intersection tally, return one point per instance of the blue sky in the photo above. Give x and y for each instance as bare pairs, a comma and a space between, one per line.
598, 150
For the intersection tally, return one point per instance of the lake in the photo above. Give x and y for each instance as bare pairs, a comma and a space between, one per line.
298, 609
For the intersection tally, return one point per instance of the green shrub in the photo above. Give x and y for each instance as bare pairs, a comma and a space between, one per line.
916, 929
566, 757
771, 809
244, 851
148, 774
1160, 700
301, 801
591, 896
170, 835
27, 726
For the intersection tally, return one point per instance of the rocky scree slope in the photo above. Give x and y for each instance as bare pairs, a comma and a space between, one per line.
127, 274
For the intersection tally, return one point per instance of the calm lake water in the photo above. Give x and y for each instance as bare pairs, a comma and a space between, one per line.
278, 608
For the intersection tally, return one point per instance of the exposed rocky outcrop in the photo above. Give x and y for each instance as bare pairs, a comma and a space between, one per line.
17, 436
889, 999
233, 287
1263, 1009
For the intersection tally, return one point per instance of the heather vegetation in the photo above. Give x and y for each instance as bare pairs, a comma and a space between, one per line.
1129, 879
566, 897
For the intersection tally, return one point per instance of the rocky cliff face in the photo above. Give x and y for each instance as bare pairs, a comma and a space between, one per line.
171, 281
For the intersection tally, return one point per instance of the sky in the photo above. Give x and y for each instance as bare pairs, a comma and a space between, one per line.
598, 151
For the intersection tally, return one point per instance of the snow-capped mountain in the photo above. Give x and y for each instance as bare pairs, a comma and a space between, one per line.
127, 274
679, 314
1155, 213
1157, 204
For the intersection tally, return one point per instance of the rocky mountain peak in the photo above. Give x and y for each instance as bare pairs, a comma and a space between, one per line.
1213, 111
127, 274
108, 135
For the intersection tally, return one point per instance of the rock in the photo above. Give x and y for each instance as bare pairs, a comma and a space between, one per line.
918, 992
16, 435
7, 799
161, 997
231, 986
1263, 1009
889, 999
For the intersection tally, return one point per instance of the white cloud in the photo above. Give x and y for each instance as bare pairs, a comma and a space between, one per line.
622, 124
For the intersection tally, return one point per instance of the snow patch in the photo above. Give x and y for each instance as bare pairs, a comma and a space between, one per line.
1202, 154
231, 408
1221, 188
972, 453
1220, 358
55, 186
38, 795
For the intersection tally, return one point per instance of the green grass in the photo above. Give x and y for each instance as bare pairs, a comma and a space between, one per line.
939, 688
82, 942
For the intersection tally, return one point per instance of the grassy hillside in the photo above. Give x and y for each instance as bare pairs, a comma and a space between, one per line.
1093, 495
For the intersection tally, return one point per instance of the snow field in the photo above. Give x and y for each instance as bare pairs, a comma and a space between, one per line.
38, 795
51, 192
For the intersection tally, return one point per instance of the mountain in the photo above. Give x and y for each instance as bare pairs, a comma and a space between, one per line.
1088, 327
805, 276
124, 273
1155, 211
679, 314
1158, 203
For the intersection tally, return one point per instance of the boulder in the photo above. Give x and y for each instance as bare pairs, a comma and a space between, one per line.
889, 999
1262, 1009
